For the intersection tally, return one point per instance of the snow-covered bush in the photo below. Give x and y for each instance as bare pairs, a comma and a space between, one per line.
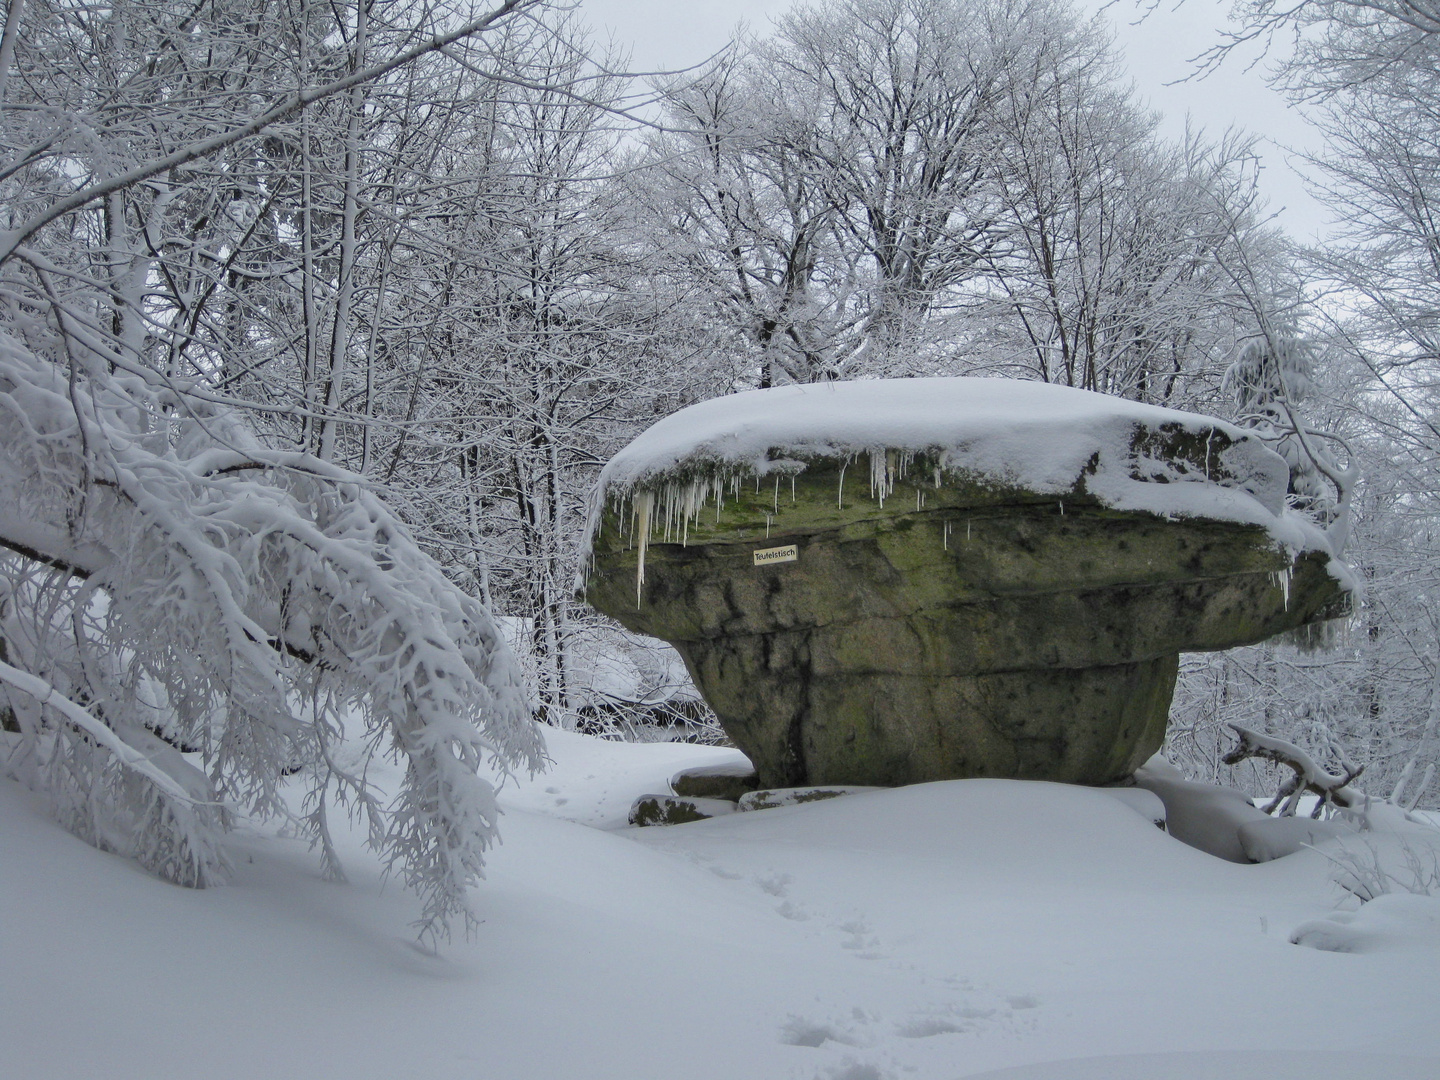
1365, 869
187, 616
619, 684
1271, 378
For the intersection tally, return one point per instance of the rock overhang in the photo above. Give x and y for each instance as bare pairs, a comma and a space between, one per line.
858, 565
965, 441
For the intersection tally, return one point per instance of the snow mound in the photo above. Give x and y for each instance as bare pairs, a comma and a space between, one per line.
1231, 1065
1037, 436
931, 932
1224, 822
1392, 921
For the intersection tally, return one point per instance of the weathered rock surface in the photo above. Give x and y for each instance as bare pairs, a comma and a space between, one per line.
673, 810
945, 624
727, 781
770, 798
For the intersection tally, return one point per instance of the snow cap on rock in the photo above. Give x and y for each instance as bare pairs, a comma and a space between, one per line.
1040, 437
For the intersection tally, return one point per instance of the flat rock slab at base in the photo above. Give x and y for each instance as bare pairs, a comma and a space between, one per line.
728, 781
988, 595
674, 810
770, 798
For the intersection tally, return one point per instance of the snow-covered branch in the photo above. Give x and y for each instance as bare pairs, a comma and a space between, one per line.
172, 584
1270, 379
1308, 776
11, 239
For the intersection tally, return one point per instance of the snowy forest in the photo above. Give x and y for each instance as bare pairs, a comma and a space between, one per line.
318, 321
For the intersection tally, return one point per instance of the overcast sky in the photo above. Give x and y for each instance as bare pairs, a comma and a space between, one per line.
676, 33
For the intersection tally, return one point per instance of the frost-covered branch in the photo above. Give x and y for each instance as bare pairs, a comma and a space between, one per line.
1270, 379
172, 585
46, 696
1308, 776
11, 239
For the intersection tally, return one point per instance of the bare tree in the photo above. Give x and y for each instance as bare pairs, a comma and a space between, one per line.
835, 180
890, 186
1110, 271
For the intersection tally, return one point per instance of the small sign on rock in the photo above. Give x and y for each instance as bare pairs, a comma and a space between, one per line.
766, 556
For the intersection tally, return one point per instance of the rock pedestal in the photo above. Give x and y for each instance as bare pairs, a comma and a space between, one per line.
959, 626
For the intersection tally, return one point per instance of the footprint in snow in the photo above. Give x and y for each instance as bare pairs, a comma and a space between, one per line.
794, 912
947, 1020
850, 1069
926, 1027
799, 1031
860, 940
708, 862
775, 884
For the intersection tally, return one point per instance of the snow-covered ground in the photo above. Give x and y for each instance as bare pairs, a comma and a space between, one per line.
971, 928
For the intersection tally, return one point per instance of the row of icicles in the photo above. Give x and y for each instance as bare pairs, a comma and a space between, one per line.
679, 503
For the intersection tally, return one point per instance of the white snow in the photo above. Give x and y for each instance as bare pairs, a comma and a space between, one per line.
1039, 436
1390, 921
1224, 821
939, 931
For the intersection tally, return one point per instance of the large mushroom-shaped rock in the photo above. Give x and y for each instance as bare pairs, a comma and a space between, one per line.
880, 583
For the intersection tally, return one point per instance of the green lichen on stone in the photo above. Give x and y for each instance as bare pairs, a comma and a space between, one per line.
667, 810
829, 493
773, 798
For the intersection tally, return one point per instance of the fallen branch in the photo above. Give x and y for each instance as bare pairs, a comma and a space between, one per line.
1331, 787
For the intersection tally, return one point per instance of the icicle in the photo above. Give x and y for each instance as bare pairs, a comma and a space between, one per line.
767, 526
644, 503
945, 536
1062, 506
792, 491
882, 474
840, 494
689, 501
967, 530
1281, 578
777, 494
